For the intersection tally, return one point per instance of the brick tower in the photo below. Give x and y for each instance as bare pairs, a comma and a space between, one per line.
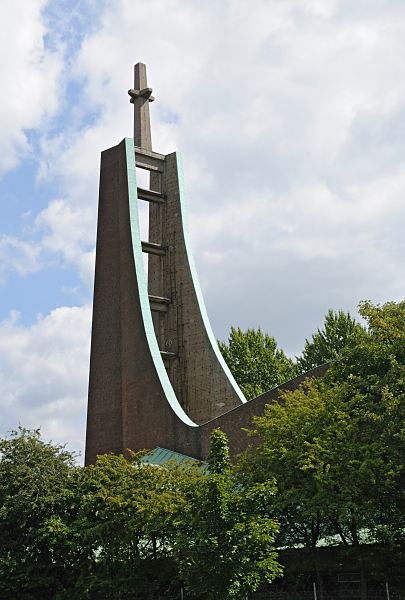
151, 338
157, 377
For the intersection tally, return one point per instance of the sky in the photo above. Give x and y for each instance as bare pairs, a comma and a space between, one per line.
290, 117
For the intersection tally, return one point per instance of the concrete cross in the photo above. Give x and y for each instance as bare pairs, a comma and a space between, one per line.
141, 95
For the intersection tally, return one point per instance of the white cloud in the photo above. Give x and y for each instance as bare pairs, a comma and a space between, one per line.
288, 116
44, 372
68, 231
29, 79
18, 255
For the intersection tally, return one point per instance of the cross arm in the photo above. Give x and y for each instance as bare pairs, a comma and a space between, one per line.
145, 93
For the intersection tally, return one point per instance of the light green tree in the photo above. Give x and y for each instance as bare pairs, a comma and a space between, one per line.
125, 523
336, 445
36, 483
225, 538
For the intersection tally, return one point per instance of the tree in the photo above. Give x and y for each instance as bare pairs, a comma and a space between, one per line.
338, 331
126, 526
35, 480
336, 445
368, 380
283, 434
255, 361
225, 539
218, 456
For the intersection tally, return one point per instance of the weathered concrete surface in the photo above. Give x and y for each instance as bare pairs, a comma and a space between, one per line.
140, 98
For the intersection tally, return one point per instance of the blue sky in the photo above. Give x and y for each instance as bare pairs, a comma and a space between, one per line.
290, 117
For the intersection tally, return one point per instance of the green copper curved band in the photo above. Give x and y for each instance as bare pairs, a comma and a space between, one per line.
143, 287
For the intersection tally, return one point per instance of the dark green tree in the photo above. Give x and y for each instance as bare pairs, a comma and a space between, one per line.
36, 481
338, 331
255, 361
225, 538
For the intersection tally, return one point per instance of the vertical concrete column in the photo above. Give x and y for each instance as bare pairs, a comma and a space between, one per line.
134, 402
140, 98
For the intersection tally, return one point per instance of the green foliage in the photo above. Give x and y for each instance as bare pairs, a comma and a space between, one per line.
284, 432
218, 456
225, 537
336, 446
34, 488
338, 331
368, 380
124, 529
125, 524
255, 361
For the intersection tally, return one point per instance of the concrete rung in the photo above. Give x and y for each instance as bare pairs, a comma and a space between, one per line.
150, 196
152, 248
159, 299
151, 161
168, 355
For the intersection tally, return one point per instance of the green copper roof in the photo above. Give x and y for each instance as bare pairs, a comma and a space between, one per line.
160, 456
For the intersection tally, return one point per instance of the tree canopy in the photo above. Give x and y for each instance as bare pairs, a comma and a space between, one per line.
255, 360
122, 528
336, 445
36, 484
327, 463
125, 523
225, 542
339, 330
